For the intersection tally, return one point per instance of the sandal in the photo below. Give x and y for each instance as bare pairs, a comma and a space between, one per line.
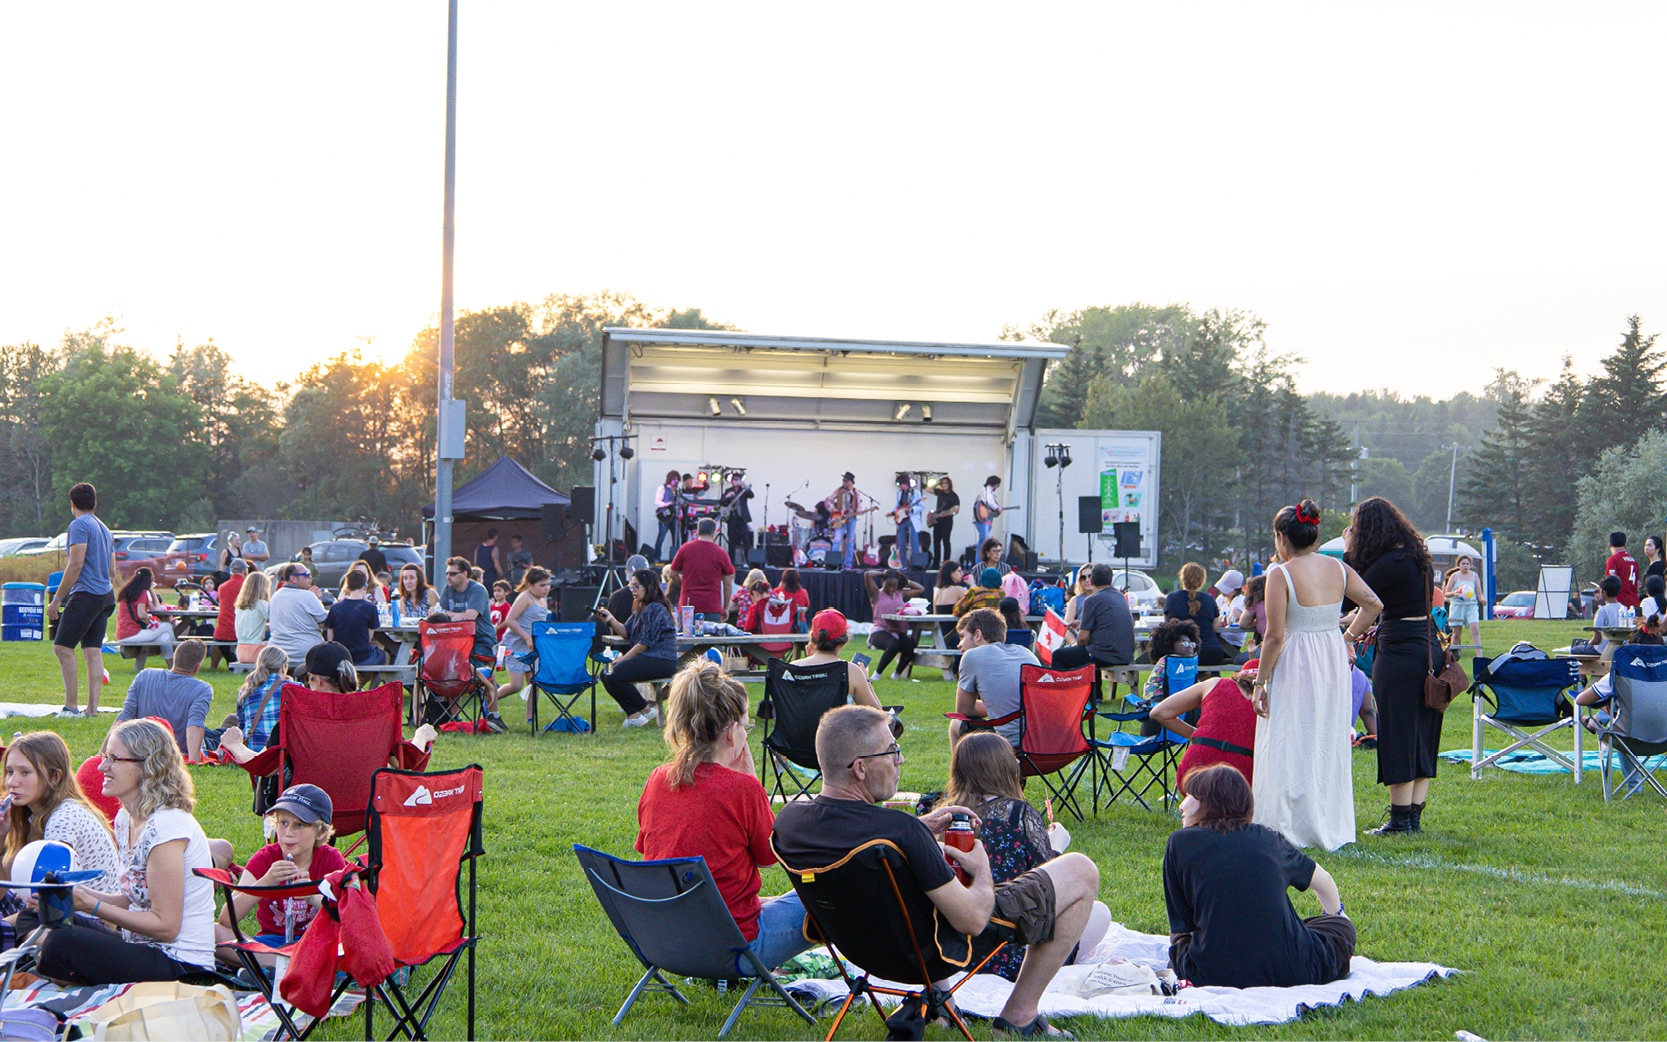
1038, 1028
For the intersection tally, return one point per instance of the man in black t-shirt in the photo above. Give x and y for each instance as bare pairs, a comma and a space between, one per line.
373, 556
860, 761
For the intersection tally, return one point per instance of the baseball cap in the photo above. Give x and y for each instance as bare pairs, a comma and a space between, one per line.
308, 802
251, 528
373, 540
326, 659
830, 619
1231, 581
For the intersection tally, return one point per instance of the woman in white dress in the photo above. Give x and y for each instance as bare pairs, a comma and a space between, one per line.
1303, 784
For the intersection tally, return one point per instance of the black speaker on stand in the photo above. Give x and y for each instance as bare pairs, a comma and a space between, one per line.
1090, 521
1126, 539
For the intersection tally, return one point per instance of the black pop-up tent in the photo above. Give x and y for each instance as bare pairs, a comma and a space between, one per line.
507, 496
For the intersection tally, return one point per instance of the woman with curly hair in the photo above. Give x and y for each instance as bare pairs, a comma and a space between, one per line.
1388, 552
1189, 602
160, 925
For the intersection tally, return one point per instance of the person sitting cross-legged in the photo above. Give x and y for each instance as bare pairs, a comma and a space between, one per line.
1046, 909
176, 695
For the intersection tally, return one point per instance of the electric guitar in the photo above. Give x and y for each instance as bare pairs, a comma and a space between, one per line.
938, 515
984, 513
899, 515
835, 520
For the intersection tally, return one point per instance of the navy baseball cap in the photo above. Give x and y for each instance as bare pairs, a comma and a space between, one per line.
308, 802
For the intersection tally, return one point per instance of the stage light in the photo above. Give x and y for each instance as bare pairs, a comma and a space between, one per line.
740, 406
902, 411
701, 478
926, 414
1064, 455
1050, 459
599, 454
626, 452
713, 407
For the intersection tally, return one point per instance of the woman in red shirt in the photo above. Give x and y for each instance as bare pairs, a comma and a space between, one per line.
707, 802
1226, 731
793, 589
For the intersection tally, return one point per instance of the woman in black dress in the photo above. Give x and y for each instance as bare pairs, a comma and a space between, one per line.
1387, 551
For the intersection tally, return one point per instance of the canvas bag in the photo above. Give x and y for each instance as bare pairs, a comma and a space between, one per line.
165, 1010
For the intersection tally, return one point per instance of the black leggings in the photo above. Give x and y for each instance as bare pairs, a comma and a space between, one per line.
940, 545
84, 954
894, 646
621, 680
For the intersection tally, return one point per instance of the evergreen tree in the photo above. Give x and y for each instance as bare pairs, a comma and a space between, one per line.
1496, 491
1625, 400
1558, 461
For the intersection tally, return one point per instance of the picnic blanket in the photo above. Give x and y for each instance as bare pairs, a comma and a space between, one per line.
985, 994
38, 710
259, 1021
1525, 762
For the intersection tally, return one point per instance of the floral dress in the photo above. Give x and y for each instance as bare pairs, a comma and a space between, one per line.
1016, 838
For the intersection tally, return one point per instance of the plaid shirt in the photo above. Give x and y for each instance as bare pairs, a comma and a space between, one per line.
256, 733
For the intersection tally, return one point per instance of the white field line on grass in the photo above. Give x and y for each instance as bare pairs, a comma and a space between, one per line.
1514, 875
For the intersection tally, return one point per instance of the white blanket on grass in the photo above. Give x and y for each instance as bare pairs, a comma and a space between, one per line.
37, 710
985, 994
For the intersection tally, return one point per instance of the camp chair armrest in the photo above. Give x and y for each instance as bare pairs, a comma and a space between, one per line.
220, 877
264, 763
1143, 714
411, 758
988, 721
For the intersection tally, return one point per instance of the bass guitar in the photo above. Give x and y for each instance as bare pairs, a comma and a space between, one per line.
938, 515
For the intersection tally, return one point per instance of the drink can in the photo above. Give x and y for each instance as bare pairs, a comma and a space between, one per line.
803, 625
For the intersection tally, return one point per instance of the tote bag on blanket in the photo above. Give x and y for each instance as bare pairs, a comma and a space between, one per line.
166, 1010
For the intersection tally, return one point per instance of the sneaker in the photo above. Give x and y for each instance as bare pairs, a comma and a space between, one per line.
67, 713
637, 721
495, 724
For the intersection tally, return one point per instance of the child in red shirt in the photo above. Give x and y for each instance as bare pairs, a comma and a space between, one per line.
303, 851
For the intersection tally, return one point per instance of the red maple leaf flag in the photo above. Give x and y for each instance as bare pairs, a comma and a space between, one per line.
1050, 637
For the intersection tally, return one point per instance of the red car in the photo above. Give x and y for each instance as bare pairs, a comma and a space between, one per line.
1518, 605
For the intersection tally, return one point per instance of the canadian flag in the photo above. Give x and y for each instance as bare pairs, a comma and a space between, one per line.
1051, 636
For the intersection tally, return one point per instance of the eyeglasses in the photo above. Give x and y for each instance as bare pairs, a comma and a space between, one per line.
895, 752
451, 573
124, 759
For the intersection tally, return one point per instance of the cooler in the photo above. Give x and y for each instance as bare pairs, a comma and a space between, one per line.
22, 611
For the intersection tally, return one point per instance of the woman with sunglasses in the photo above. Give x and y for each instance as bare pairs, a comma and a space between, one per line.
160, 926
707, 801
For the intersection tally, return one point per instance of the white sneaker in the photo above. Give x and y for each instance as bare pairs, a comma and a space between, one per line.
643, 719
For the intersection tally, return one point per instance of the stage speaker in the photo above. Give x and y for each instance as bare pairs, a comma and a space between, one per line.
552, 519
576, 602
583, 506
756, 557
1127, 536
1089, 518
920, 559
778, 555
832, 562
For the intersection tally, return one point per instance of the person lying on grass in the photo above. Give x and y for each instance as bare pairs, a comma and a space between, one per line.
301, 826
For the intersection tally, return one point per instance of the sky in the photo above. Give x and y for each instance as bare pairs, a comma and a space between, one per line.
1408, 195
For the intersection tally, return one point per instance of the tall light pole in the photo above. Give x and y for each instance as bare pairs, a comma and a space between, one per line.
446, 425
1452, 478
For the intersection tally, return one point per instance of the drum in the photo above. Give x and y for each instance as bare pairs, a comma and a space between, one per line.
817, 549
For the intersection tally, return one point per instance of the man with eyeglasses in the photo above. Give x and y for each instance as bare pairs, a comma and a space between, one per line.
1046, 909
296, 613
464, 600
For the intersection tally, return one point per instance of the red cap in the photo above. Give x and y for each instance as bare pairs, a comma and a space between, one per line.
831, 620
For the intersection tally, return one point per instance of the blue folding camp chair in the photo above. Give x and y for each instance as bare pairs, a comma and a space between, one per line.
1514, 694
563, 673
1635, 731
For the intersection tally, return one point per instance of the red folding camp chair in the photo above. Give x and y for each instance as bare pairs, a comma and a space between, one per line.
423, 829
336, 742
448, 683
1052, 707
249, 951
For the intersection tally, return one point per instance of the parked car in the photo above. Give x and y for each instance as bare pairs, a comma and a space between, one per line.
191, 557
13, 547
1143, 592
1518, 604
333, 557
54, 545
134, 550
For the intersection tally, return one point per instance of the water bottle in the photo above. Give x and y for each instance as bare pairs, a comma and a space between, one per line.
960, 836
289, 913
393, 610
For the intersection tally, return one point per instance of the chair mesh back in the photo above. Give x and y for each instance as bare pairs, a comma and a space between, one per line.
1054, 702
338, 741
562, 648
422, 825
1527, 691
670, 912
446, 649
855, 903
1179, 673
1640, 684
798, 697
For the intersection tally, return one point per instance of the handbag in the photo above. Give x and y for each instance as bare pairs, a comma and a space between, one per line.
1441, 688
165, 1009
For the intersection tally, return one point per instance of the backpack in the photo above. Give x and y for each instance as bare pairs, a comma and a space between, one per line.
1013, 585
1044, 596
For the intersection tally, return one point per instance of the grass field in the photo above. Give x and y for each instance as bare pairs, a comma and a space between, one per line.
1551, 902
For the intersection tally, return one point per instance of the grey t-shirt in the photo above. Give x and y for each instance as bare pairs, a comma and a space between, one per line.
473, 598
991, 671
295, 617
1110, 625
1608, 616
181, 700
95, 567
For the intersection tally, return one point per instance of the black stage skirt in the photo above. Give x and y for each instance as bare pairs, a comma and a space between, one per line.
1409, 735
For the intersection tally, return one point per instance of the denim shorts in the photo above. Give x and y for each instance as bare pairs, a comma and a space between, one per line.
781, 930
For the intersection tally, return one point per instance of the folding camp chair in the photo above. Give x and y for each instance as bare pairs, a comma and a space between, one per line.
1524, 693
447, 682
424, 828
795, 697
563, 672
249, 950
867, 908
337, 742
1637, 729
1054, 705
674, 920
1120, 748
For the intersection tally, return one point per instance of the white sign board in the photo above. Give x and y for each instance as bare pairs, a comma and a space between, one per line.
1117, 468
1551, 600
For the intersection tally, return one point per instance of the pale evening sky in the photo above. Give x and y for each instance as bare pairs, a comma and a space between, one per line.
1408, 195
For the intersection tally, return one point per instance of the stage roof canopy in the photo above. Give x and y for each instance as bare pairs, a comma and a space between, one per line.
680, 373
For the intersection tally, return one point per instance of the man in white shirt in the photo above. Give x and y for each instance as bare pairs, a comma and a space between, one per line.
296, 613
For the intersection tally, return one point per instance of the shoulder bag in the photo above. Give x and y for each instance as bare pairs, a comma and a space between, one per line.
1441, 688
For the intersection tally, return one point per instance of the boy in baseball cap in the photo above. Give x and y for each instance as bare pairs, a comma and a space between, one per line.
300, 820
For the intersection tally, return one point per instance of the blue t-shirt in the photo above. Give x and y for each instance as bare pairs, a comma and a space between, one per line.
350, 622
95, 567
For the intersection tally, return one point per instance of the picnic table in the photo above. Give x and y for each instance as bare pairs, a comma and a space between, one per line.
688, 646
183, 619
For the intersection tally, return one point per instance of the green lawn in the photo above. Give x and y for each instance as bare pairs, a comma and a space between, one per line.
1547, 899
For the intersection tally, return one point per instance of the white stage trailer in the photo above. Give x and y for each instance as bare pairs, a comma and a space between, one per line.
797, 412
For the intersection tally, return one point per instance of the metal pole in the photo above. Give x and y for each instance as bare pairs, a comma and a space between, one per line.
448, 234
1452, 477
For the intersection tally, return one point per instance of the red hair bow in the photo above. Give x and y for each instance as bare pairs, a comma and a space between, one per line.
1309, 518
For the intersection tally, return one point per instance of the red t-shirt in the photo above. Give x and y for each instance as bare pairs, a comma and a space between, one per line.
703, 565
799, 597
500, 612
1622, 564
723, 817
225, 624
269, 912
125, 625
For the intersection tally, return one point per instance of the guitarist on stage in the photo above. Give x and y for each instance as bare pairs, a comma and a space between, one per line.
942, 521
985, 509
908, 518
733, 504
665, 512
844, 504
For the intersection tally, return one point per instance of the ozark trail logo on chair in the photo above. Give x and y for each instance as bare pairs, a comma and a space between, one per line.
423, 798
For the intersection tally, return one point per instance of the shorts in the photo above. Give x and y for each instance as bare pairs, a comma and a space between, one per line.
1460, 613
84, 619
516, 664
1024, 913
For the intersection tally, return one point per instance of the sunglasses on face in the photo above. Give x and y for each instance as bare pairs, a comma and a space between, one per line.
895, 752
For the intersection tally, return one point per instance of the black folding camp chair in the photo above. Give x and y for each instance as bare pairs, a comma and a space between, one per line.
795, 697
